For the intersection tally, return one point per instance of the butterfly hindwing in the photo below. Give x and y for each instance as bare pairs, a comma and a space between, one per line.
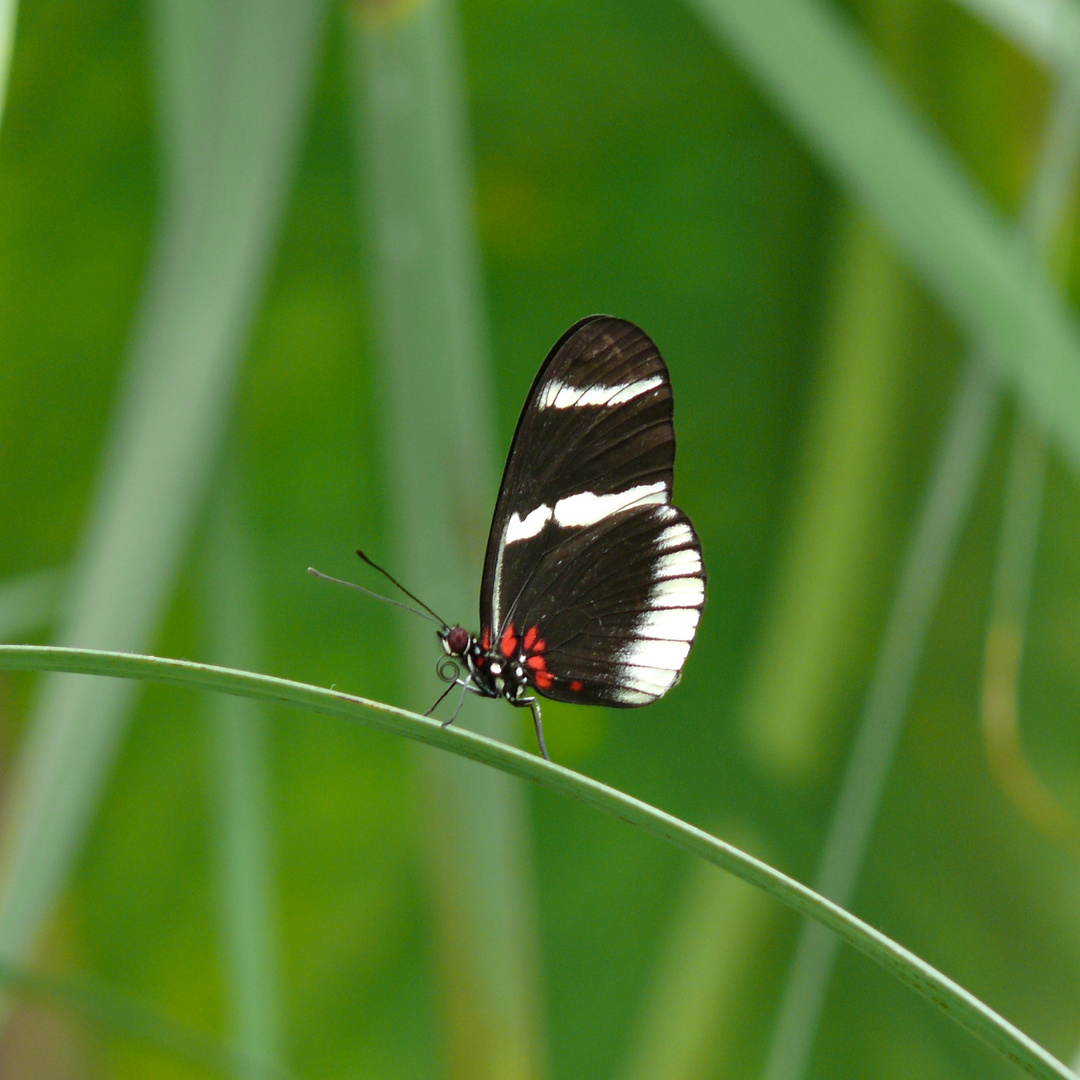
586, 550
616, 607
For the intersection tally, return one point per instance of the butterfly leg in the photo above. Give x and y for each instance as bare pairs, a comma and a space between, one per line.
439, 700
537, 722
461, 701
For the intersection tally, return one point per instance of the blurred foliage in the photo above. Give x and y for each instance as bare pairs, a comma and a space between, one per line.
623, 163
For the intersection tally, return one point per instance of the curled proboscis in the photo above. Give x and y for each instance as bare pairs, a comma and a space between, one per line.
448, 670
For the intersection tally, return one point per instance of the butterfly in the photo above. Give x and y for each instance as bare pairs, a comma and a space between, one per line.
593, 581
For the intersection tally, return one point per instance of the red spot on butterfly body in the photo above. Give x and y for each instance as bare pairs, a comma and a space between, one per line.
537, 663
485, 639
577, 685
509, 642
543, 679
530, 637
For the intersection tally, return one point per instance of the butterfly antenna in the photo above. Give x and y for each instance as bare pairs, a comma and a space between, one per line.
428, 613
394, 581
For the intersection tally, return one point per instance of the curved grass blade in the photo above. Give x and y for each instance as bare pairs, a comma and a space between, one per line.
951, 999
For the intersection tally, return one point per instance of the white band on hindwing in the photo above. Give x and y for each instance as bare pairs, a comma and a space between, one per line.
584, 508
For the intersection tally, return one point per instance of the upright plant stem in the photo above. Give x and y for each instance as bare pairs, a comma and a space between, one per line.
944, 509
435, 381
238, 750
816, 616
234, 84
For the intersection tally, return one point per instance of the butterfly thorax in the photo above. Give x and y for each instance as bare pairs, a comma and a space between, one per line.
508, 670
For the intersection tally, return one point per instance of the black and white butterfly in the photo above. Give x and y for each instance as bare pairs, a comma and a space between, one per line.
593, 581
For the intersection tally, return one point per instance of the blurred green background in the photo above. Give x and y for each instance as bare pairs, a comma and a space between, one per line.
274, 279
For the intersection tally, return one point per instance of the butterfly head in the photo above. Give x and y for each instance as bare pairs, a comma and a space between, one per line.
456, 640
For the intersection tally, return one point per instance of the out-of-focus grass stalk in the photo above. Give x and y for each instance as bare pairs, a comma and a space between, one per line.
1048, 30
1006, 630
114, 1012
713, 938
825, 82
9, 10
1021, 515
944, 509
235, 83
941, 992
28, 603
239, 752
811, 633
435, 381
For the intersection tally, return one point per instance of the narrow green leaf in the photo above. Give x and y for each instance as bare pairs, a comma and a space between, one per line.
827, 85
217, 233
940, 991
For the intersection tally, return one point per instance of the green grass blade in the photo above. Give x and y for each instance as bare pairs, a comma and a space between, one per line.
817, 615
211, 258
239, 758
28, 603
944, 509
828, 86
941, 992
9, 10
1048, 30
434, 380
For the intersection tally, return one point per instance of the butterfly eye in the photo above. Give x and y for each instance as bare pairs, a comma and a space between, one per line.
457, 640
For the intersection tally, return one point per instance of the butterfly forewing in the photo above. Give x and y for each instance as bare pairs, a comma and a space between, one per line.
587, 556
